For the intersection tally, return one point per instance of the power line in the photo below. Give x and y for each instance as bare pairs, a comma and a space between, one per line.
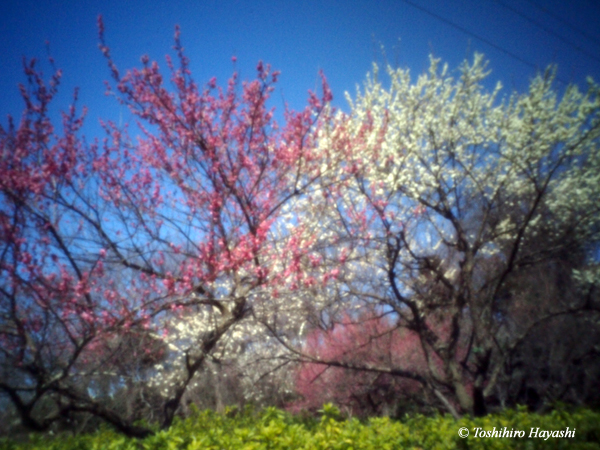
564, 22
478, 37
547, 30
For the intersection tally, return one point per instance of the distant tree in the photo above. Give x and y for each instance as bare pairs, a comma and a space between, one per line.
371, 340
553, 360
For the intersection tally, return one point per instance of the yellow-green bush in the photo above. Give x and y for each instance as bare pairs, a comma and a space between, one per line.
275, 429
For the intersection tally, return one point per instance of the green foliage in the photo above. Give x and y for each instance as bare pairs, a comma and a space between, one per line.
275, 429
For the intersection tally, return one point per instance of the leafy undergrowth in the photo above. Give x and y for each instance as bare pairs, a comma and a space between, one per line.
275, 429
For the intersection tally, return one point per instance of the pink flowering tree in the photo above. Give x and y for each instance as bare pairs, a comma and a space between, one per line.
53, 307
104, 247
367, 340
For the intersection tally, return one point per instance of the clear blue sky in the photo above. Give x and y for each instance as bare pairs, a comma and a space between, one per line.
296, 37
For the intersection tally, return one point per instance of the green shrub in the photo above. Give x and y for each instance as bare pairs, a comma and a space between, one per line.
274, 429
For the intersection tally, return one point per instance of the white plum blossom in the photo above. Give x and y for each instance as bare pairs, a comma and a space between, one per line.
435, 192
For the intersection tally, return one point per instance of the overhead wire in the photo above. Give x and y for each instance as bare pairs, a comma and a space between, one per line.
564, 22
547, 30
478, 37
482, 39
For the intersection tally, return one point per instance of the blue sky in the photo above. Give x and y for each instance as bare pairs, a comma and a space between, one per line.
296, 37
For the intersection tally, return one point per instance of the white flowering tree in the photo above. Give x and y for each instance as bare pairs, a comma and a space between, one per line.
441, 195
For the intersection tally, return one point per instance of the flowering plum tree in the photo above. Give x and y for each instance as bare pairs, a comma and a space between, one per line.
372, 340
444, 194
106, 246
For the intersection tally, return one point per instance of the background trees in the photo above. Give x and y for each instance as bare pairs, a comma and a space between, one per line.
369, 339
